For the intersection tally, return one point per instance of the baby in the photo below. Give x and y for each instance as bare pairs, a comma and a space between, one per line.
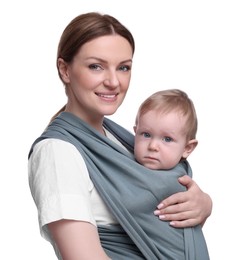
165, 129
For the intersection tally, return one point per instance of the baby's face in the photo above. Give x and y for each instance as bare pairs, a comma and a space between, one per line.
160, 141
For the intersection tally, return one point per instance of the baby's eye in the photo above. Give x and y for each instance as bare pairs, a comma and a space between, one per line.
95, 67
125, 68
146, 135
167, 139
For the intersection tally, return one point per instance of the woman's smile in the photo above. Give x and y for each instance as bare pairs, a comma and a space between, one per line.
102, 72
108, 97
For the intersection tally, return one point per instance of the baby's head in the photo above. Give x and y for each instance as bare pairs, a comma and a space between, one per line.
165, 129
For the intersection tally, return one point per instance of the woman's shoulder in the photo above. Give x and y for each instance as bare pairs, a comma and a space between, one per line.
52, 149
54, 144
59, 157
50, 143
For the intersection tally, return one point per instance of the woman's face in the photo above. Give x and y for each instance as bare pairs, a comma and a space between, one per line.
98, 78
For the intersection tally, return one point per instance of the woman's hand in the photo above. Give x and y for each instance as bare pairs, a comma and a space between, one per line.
186, 209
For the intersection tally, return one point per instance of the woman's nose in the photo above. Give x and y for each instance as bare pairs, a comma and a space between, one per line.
111, 80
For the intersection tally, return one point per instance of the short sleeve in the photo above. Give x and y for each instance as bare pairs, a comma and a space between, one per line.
59, 183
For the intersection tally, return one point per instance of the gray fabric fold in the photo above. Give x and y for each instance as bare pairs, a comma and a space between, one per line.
132, 193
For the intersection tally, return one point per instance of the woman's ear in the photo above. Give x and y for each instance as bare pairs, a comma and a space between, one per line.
63, 69
190, 146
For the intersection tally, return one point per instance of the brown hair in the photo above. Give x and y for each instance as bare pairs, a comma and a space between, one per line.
169, 100
85, 28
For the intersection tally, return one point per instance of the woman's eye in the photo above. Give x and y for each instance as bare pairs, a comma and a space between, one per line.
125, 68
167, 139
95, 67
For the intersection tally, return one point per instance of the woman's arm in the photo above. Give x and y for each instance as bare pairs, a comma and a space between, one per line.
186, 209
77, 240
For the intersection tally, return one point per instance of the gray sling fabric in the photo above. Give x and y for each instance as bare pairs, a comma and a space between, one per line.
132, 192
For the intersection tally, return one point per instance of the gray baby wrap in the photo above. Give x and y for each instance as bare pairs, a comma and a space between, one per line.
132, 193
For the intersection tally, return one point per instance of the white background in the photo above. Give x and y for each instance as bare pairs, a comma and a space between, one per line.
189, 45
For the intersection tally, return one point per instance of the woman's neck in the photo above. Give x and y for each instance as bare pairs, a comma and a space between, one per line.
94, 121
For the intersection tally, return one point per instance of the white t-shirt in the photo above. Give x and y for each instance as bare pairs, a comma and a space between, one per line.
61, 186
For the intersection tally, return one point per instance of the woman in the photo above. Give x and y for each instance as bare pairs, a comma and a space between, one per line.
66, 177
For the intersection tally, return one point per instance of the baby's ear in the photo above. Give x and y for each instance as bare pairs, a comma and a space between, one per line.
190, 146
135, 129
